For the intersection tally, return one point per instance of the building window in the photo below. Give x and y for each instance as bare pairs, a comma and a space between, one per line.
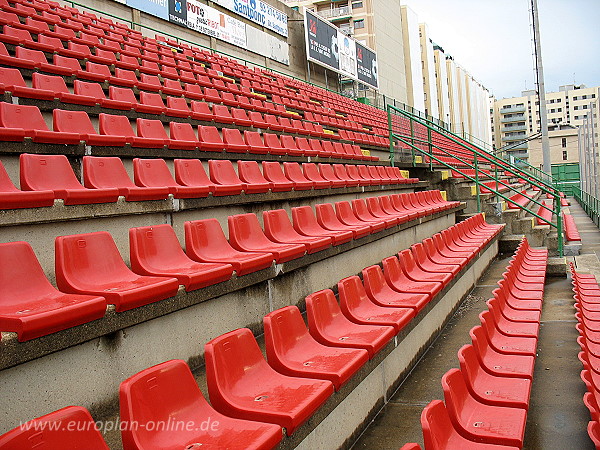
565, 155
359, 24
564, 142
356, 5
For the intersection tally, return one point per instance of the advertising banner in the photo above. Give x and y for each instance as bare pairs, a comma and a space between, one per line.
366, 65
327, 46
258, 12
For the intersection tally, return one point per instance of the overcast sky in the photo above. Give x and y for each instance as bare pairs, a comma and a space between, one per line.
492, 40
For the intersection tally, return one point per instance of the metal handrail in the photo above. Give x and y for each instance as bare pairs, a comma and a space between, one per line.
589, 203
534, 180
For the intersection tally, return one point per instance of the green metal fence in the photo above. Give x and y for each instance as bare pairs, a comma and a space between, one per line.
589, 203
421, 136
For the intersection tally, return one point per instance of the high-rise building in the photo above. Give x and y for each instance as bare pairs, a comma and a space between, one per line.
516, 120
412, 68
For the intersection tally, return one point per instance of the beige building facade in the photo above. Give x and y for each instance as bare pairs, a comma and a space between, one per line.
515, 120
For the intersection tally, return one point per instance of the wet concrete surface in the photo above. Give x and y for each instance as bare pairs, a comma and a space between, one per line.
557, 417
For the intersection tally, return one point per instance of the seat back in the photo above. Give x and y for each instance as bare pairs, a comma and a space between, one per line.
115, 125
277, 223
21, 116
293, 171
374, 281
165, 393
230, 358
105, 172
209, 135
47, 172
284, 331
321, 310
326, 216
17, 263
154, 246
151, 99
352, 294
49, 83
456, 393
233, 136
88, 89
249, 172
151, 129
222, 172
152, 172
304, 219
11, 77
436, 426
72, 122
341, 172
190, 172
182, 132
245, 228
122, 94
68, 428
81, 258
6, 184
311, 172
272, 172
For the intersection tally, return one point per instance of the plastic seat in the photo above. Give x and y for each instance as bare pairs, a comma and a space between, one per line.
499, 364
182, 136
489, 389
292, 351
311, 172
329, 326
249, 172
151, 103
414, 272
168, 393
91, 264
205, 242
380, 292
327, 218
178, 107
79, 122
306, 224
12, 198
222, 173
20, 121
273, 143
289, 143
155, 173
483, 423
190, 172
346, 215
58, 86
255, 143
361, 210
156, 251
114, 125
68, 428
210, 139
273, 173
241, 384
422, 259
37, 308
397, 279
341, 172
327, 172
509, 345
245, 234
356, 306
234, 141
293, 171
54, 173
278, 228
439, 433
109, 172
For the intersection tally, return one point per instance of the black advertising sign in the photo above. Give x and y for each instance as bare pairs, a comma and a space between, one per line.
327, 46
366, 65
321, 41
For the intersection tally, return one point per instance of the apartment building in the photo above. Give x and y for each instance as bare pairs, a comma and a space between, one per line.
413, 69
515, 120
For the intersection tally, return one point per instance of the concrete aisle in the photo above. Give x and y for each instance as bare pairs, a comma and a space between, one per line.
557, 417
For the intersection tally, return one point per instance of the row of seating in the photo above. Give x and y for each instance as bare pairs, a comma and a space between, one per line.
570, 228
587, 304
488, 397
44, 178
545, 212
519, 201
253, 398
90, 272
18, 122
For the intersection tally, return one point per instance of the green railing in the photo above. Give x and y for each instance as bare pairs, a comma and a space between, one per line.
425, 146
589, 203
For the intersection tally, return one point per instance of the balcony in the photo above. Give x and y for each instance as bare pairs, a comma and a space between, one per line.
518, 137
518, 118
512, 109
335, 14
514, 148
514, 128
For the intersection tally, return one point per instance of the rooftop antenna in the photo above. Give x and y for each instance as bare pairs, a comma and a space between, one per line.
539, 70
